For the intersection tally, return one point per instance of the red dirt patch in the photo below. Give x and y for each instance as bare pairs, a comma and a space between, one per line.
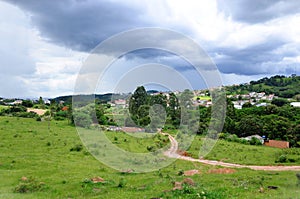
177, 185
97, 180
188, 181
24, 178
222, 171
184, 153
191, 172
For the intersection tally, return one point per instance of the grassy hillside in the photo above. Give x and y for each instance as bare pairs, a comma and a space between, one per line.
233, 152
281, 86
48, 154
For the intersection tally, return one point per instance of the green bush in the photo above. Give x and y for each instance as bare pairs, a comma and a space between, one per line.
25, 114
122, 183
77, 147
281, 159
59, 118
82, 119
29, 185
255, 141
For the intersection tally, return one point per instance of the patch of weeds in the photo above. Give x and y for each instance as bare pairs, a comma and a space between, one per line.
281, 159
77, 148
180, 172
190, 192
122, 183
86, 153
29, 185
89, 186
151, 148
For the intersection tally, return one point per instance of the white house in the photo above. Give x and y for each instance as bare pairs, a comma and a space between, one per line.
295, 104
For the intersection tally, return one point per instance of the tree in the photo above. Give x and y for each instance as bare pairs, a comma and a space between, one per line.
27, 103
297, 97
139, 107
139, 98
158, 99
41, 101
249, 125
279, 102
143, 115
247, 105
173, 110
82, 119
271, 109
100, 114
186, 98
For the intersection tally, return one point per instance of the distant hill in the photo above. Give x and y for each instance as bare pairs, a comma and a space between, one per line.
102, 97
282, 86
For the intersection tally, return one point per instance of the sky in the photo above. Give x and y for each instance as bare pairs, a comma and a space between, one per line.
45, 44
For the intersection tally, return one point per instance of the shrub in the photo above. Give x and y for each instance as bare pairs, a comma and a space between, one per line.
151, 148
122, 183
281, 159
38, 119
25, 114
82, 119
59, 118
180, 173
255, 141
29, 185
77, 147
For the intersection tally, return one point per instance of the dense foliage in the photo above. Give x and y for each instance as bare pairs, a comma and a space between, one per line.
285, 87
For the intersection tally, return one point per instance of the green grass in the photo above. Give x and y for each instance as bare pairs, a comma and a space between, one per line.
244, 154
2, 107
131, 143
203, 97
41, 151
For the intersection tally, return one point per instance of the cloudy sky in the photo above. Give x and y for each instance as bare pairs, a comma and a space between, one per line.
45, 43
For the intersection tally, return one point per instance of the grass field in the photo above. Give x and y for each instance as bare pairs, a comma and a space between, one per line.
203, 97
3, 107
245, 154
47, 153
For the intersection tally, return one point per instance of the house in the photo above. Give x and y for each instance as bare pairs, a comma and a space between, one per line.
262, 104
16, 102
47, 101
261, 139
65, 108
111, 104
295, 104
260, 95
208, 104
270, 97
132, 129
237, 106
277, 144
120, 103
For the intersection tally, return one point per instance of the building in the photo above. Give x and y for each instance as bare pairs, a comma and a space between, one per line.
261, 139
277, 144
295, 104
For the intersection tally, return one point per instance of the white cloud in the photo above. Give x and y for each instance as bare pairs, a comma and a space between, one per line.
241, 45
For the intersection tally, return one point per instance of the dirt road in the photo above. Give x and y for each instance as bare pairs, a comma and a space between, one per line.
172, 153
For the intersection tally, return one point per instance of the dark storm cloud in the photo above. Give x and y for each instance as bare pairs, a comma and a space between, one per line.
249, 61
81, 24
258, 11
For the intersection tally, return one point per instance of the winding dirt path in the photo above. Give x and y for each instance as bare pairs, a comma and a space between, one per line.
172, 153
